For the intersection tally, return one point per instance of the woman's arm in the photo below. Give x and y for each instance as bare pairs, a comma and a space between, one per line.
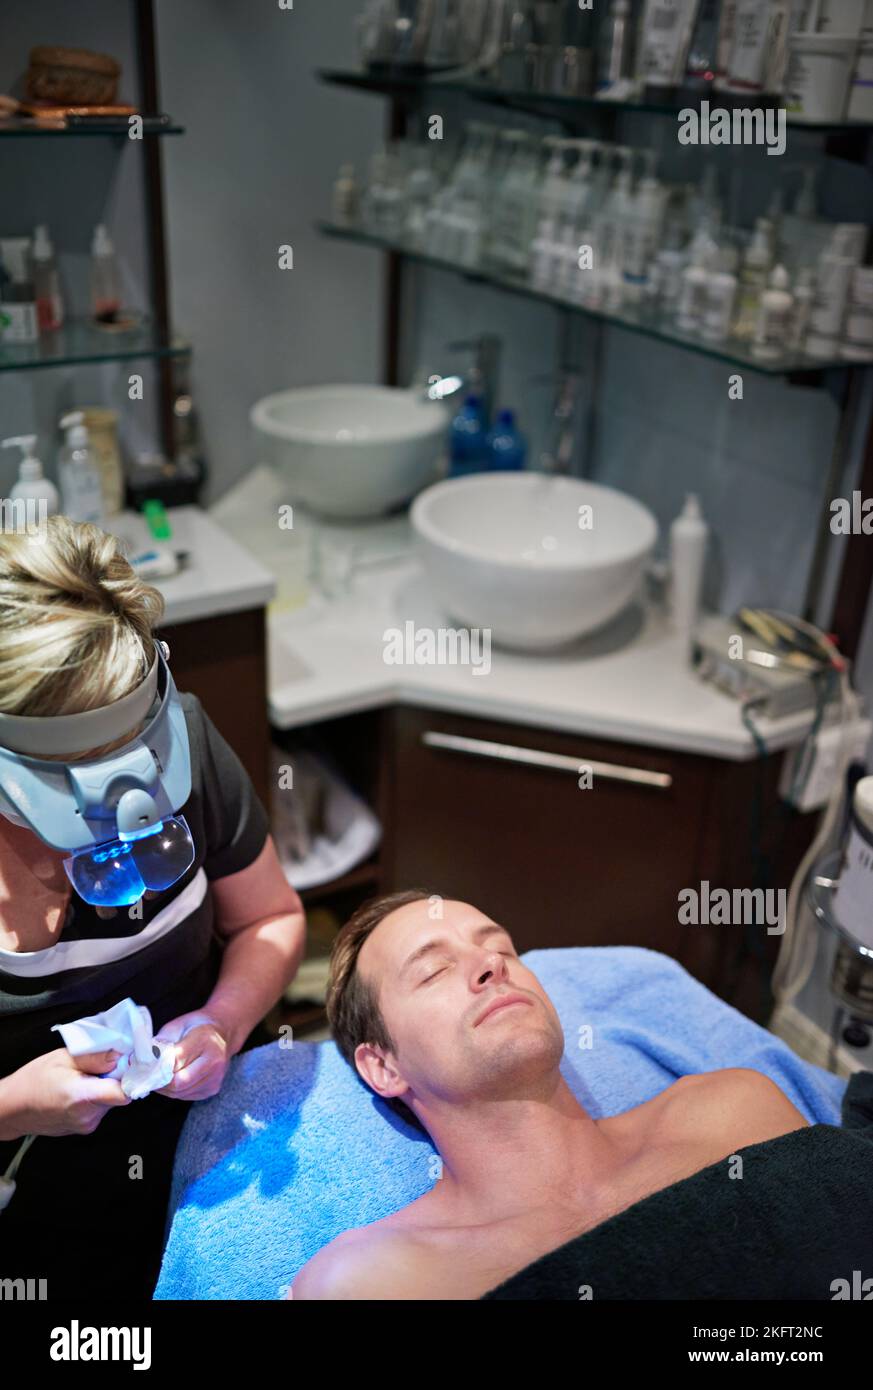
263, 920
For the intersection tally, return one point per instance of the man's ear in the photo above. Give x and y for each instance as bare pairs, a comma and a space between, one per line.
380, 1072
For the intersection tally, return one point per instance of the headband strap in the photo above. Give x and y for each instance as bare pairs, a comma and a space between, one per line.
39, 735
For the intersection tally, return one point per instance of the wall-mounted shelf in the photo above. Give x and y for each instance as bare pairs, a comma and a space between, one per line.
99, 125
730, 351
80, 343
411, 92
399, 85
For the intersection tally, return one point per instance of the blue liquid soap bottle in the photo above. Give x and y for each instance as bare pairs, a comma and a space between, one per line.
467, 440
506, 446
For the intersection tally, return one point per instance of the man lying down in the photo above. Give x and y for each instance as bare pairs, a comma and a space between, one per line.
440, 1015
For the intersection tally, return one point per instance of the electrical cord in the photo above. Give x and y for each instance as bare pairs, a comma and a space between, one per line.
7, 1182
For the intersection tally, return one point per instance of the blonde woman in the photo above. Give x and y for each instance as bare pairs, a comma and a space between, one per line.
208, 957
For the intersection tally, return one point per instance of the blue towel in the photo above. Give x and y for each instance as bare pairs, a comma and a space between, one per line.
296, 1149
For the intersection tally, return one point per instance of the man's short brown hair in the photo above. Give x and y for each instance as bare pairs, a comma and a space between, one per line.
352, 1005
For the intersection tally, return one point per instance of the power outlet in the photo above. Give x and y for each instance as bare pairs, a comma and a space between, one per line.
823, 764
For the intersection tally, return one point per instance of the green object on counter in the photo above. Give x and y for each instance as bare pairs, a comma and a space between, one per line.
157, 518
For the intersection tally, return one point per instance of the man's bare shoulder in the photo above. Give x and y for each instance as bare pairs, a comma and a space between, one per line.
369, 1262
736, 1104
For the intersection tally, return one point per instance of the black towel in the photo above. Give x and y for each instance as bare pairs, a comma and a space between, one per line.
798, 1224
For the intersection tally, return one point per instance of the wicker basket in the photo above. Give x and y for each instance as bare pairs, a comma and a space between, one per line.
72, 76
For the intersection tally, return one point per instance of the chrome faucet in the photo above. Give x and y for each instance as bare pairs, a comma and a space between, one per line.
482, 378
557, 456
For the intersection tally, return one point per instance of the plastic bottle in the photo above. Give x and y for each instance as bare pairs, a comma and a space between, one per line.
611, 230
721, 296
688, 538
47, 283
79, 474
616, 56
543, 248
694, 294
701, 65
754, 274
833, 282
105, 283
17, 294
513, 221
420, 189
506, 446
804, 298
575, 228
467, 452
665, 281
704, 204
32, 485
775, 316
643, 232
346, 197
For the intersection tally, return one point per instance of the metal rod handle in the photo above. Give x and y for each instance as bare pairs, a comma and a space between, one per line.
558, 762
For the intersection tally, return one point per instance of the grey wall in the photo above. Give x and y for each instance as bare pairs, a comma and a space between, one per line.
257, 166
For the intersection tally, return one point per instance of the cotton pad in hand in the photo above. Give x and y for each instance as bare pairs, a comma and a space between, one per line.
144, 1065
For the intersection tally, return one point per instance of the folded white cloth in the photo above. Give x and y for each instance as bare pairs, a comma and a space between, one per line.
144, 1065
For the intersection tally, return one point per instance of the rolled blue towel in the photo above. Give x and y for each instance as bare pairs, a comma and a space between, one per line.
296, 1149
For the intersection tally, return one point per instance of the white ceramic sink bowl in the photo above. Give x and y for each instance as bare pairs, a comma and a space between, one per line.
351, 451
505, 551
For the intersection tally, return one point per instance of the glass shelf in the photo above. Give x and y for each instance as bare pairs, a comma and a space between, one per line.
397, 83
641, 321
79, 342
94, 125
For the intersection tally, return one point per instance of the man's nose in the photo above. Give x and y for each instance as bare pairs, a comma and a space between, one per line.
494, 968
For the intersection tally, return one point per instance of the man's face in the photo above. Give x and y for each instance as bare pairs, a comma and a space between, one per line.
438, 981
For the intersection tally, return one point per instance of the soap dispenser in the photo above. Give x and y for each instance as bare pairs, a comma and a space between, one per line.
32, 485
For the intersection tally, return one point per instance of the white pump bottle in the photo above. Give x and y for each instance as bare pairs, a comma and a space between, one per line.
32, 485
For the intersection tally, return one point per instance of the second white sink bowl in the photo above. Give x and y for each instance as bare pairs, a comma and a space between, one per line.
351, 451
507, 552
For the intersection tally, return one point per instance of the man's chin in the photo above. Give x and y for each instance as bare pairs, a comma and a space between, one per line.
512, 1047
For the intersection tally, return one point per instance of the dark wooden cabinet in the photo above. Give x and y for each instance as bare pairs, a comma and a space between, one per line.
559, 864
223, 661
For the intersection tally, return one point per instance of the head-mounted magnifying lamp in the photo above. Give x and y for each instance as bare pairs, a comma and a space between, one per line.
116, 816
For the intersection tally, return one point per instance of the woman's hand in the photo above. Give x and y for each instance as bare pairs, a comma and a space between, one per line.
57, 1094
202, 1056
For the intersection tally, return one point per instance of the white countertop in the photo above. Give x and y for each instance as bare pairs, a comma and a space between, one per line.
221, 575
629, 682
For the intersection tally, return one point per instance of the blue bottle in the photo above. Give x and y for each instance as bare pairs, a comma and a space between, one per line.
506, 446
467, 451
